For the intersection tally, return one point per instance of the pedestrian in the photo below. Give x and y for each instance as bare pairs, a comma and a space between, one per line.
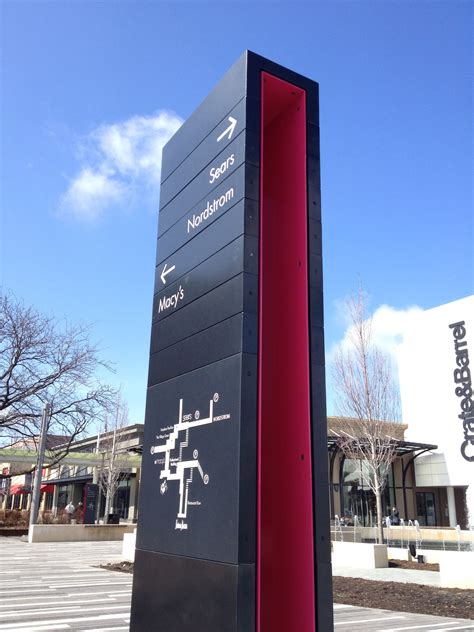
395, 517
79, 513
70, 509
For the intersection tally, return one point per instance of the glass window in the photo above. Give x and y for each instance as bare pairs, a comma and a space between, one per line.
48, 505
122, 501
62, 496
351, 472
426, 508
357, 497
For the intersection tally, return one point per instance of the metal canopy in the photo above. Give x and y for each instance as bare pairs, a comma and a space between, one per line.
407, 447
402, 447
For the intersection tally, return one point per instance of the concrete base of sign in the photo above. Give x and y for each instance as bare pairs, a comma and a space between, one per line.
77, 532
457, 569
356, 555
128, 546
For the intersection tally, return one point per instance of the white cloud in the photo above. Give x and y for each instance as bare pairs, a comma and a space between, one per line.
90, 193
389, 326
118, 161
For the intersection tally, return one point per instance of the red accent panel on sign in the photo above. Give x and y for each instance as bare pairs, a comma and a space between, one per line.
285, 559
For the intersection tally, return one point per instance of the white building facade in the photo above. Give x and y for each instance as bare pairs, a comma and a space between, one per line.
436, 371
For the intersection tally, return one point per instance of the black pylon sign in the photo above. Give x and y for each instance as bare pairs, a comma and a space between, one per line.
233, 530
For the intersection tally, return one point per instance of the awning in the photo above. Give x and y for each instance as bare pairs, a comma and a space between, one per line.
19, 489
401, 447
70, 480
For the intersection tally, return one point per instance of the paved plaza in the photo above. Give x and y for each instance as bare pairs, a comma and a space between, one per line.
58, 587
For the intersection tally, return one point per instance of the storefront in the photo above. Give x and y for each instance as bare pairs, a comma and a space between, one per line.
438, 406
350, 494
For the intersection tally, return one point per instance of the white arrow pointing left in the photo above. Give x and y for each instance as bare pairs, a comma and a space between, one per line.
166, 271
229, 130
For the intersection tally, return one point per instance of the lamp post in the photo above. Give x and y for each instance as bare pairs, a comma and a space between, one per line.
39, 466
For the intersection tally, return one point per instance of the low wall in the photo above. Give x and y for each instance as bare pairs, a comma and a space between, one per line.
435, 534
458, 565
357, 555
346, 535
128, 547
432, 556
395, 553
78, 532
457, 569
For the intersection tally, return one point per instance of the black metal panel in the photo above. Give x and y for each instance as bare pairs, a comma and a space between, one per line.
217, 235
181, 233
207, 148
191, 455
240, 255
220, 166
313, 138
199, 198
314, 237
317, 342
210, 115
314, 202
316, 307
179, 594
212, 168
236, 295
235, 335
248, 461
313, 170
316, 272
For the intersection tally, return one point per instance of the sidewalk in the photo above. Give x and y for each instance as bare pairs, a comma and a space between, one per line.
56, 586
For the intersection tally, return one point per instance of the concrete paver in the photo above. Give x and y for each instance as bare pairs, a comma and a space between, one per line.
56, 586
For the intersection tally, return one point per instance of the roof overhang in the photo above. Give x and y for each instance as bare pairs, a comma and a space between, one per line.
401, 447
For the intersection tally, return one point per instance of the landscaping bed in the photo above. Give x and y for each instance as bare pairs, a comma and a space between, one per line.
121, 567
414, 566
13, 531
415, 598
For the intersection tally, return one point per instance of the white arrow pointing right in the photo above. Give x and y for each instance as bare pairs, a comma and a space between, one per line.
229, 130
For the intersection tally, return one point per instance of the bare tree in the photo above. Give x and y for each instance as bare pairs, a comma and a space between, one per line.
366, 393
44, 360
114, 463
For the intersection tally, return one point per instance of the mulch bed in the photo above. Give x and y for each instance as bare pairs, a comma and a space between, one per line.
13, 531
415, 566
415, 598
121, 567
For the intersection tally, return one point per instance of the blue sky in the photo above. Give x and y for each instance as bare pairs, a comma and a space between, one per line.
90, 92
